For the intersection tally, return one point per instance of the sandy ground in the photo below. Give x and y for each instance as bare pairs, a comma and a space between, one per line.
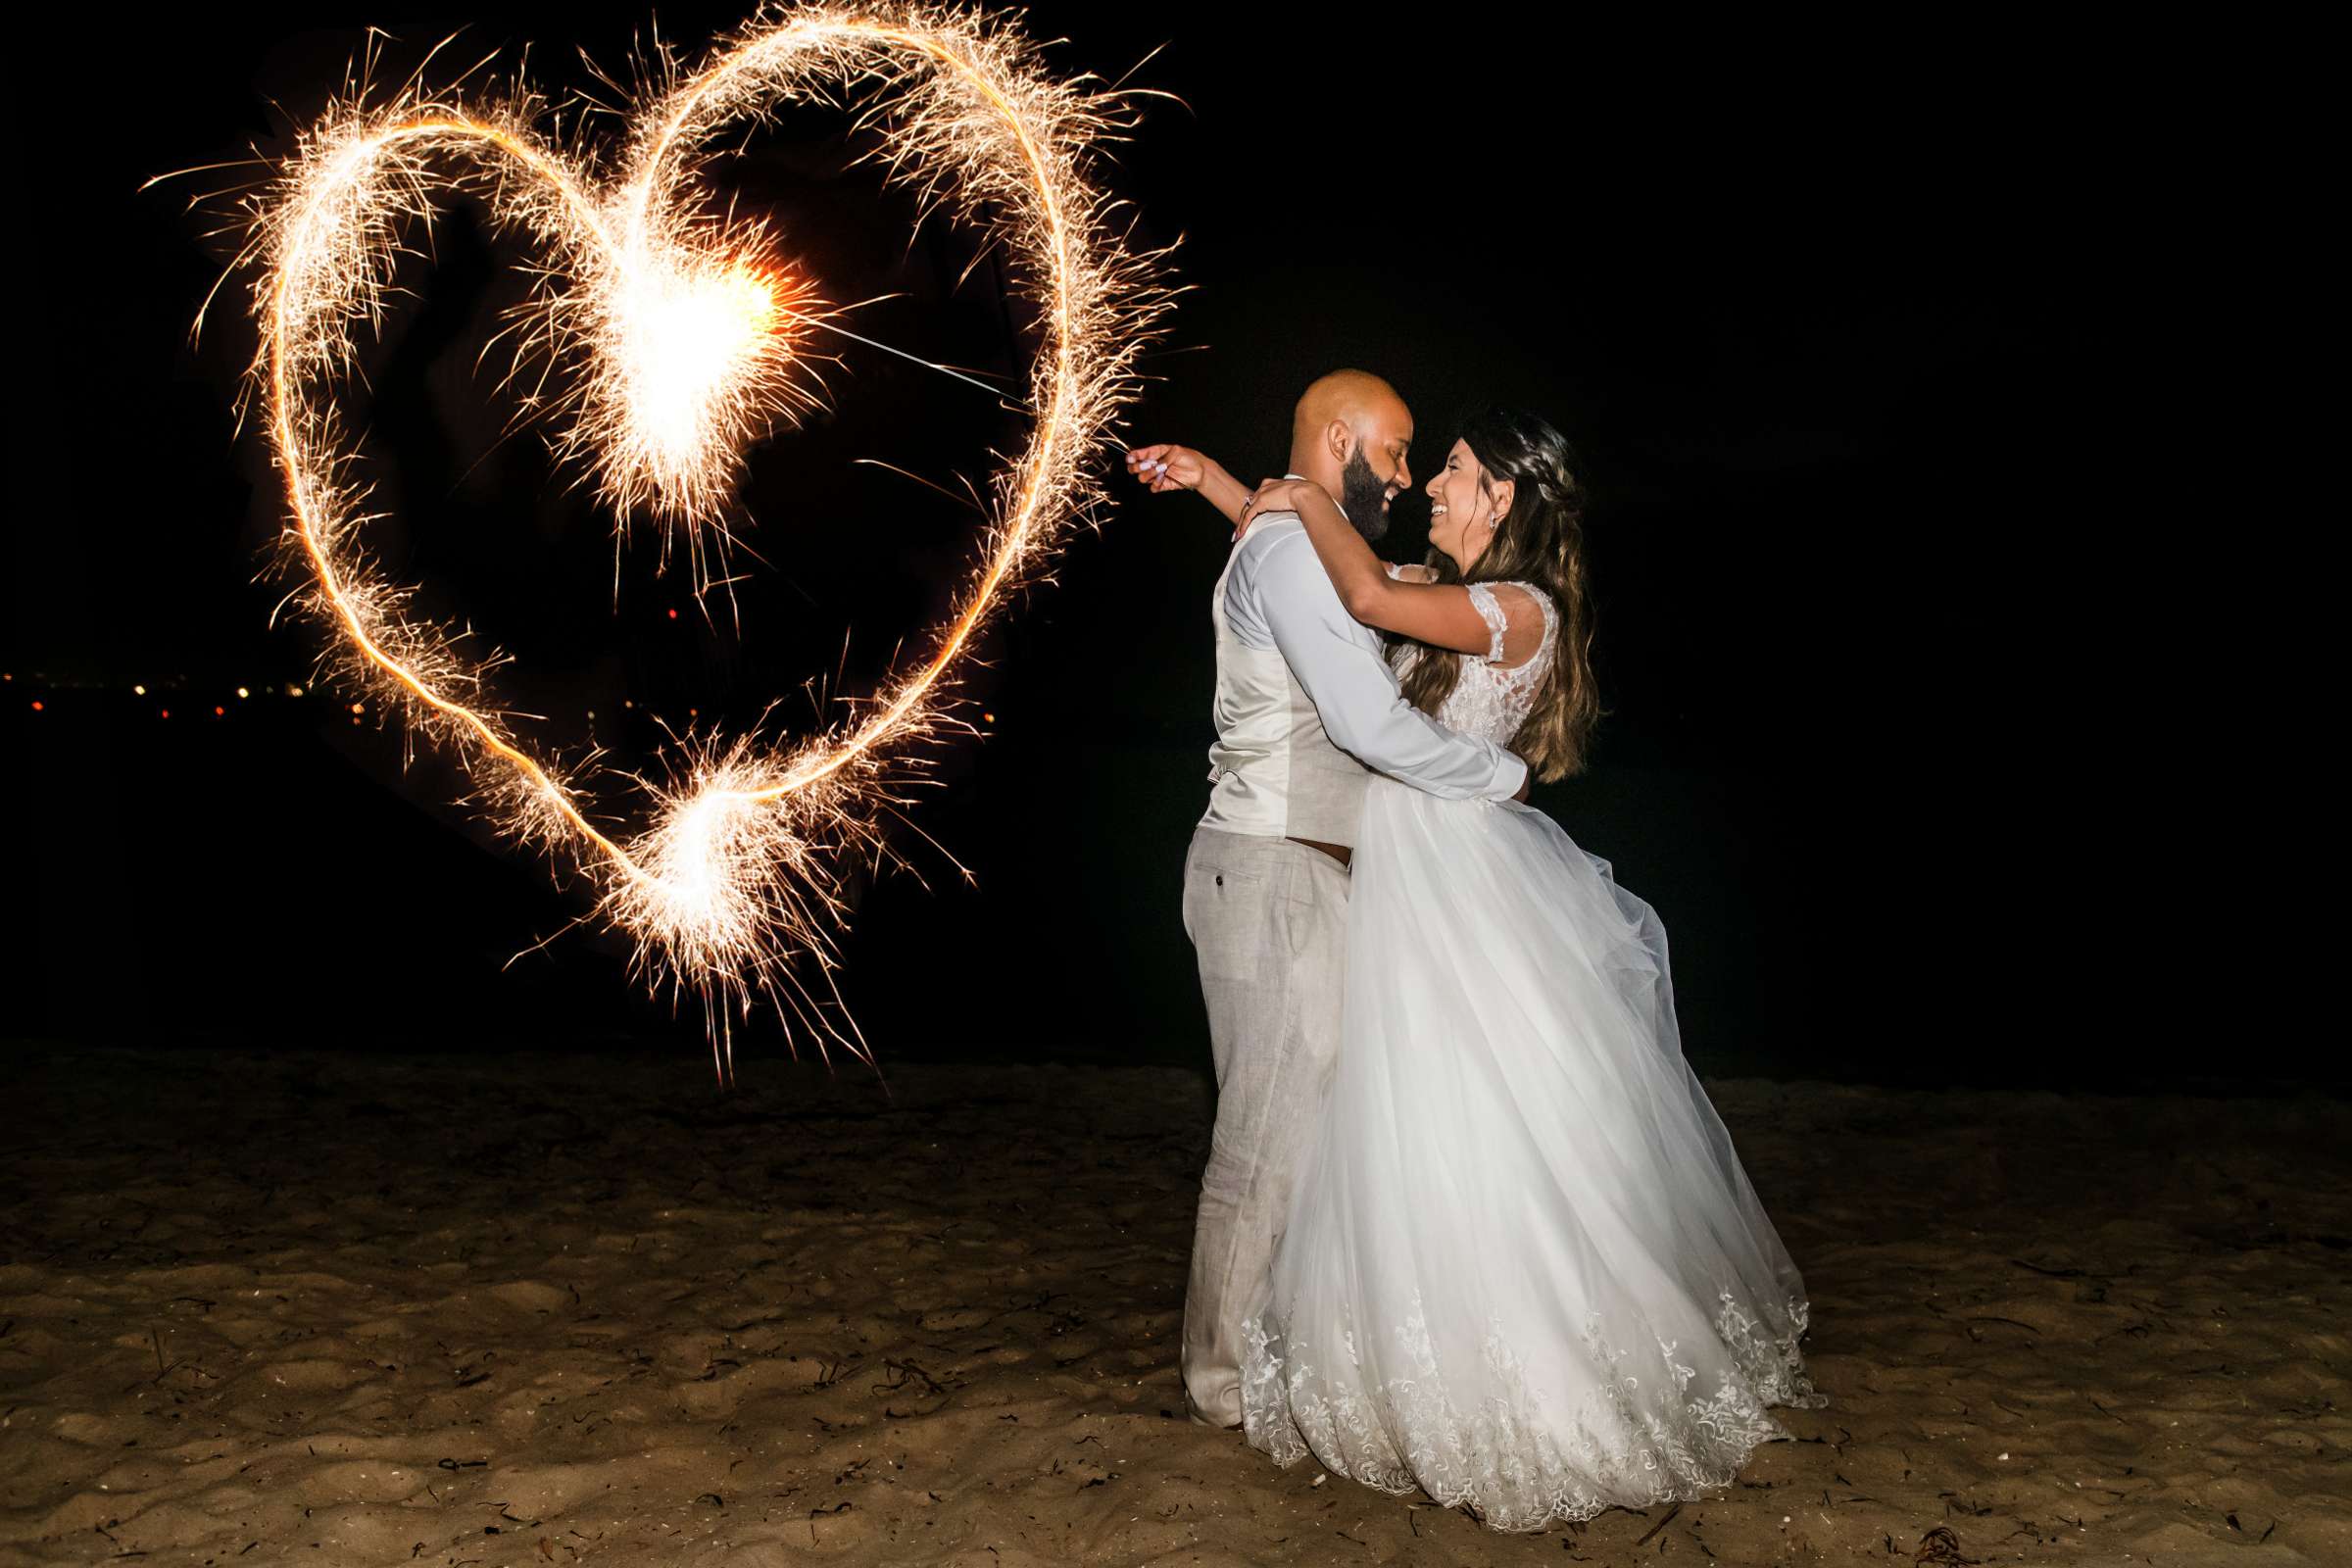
549, 1310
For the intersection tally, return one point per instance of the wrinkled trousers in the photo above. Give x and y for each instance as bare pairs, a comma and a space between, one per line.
1268, 919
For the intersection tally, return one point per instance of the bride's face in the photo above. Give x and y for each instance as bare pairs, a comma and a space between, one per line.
1464, 511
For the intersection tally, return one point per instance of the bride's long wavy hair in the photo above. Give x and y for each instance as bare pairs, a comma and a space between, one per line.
1541, 541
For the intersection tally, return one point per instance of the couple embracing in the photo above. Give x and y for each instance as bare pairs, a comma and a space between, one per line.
1469, 1222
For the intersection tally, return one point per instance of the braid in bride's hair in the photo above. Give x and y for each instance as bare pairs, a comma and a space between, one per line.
1542, 541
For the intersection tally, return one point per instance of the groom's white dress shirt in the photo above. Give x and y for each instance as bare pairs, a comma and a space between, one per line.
1303, 696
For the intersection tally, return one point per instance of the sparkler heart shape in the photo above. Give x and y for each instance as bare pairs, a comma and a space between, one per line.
671, 338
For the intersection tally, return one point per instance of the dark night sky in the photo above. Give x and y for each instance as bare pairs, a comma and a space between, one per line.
1833, 323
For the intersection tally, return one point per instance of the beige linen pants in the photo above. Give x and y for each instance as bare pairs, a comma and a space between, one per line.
1268, 919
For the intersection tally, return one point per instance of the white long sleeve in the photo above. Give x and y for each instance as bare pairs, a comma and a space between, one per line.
1287, 598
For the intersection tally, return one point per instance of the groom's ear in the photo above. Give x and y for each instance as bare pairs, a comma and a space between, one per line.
1338, 438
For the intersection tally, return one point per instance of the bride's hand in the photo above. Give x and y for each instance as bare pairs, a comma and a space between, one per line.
1167, 467
1277, 495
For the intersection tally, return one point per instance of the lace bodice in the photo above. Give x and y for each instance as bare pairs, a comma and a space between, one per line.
1489, 701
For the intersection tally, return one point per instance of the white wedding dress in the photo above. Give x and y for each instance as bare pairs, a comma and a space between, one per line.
1523, 1268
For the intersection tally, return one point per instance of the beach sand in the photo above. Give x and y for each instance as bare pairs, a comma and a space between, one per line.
548, 1310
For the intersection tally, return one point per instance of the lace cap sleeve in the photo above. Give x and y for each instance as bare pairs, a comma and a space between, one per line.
1523, 619
1481, 599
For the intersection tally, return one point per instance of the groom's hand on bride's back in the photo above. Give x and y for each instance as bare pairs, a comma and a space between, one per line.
1167, 467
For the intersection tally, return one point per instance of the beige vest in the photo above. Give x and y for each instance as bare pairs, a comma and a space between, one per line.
1276, 773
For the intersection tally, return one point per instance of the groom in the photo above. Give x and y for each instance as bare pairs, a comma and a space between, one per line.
1304, 705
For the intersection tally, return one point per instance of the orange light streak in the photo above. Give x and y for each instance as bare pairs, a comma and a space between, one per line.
732, 883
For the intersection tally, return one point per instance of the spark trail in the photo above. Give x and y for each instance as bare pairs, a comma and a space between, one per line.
663, 342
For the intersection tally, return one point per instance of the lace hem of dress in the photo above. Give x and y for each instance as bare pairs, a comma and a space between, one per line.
1517, 1469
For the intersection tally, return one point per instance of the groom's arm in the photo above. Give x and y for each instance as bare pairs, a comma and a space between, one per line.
1356, 695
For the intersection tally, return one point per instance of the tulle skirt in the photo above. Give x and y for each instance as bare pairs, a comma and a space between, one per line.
1523, 1268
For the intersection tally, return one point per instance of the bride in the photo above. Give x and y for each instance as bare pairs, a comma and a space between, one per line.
1524, 1270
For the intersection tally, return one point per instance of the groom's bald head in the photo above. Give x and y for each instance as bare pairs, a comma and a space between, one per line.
1350, 433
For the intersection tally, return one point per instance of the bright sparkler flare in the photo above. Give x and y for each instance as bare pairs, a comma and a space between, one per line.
669, 338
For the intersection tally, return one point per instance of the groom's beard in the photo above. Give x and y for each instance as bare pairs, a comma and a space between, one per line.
1363, 497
